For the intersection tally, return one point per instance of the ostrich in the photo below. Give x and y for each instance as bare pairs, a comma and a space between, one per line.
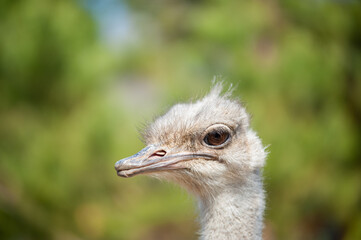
208, 148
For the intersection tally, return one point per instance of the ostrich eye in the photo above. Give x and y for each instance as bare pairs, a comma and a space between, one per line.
216, 137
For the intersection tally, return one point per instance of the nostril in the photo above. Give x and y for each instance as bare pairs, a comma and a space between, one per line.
160, 153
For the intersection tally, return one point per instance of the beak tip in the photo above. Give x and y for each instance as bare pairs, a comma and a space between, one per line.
116, 167
118, 164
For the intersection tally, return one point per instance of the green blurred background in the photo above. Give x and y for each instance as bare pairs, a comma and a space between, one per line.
78, 78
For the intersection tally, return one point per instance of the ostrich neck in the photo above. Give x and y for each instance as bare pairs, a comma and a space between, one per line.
236, 212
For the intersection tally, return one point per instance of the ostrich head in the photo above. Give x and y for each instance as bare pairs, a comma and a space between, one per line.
204, 146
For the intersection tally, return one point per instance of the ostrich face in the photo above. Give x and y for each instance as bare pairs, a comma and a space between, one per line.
206, 143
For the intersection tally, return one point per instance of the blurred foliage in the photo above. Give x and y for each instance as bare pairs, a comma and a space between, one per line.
70, 107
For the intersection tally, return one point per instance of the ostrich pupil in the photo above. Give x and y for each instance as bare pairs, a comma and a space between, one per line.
216, 138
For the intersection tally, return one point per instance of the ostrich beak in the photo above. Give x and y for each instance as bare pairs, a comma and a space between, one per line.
154, 159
